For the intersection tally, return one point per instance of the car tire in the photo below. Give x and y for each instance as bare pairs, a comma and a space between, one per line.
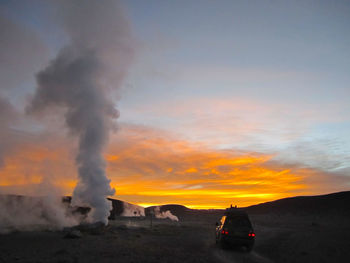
223, 244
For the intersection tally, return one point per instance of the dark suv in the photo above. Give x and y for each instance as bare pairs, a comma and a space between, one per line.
235, 229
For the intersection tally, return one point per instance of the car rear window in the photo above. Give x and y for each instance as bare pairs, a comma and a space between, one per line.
238, 221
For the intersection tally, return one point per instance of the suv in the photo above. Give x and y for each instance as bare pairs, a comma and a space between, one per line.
235, 229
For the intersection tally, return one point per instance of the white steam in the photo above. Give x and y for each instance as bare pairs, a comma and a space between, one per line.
81, 79
132, 210
165, 214
28, 213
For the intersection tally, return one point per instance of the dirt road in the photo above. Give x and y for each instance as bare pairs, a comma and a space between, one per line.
133, 240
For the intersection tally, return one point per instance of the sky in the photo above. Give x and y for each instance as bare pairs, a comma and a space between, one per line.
223, 102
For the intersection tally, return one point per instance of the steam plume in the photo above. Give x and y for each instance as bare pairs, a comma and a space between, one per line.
132, 210
165, 214
79, 79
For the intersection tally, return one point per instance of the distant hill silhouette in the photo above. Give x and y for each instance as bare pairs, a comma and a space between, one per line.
174, 209
335, 203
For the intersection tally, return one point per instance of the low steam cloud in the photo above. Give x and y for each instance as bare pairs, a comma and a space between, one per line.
164, 214
29, 213
47, 212
132, 210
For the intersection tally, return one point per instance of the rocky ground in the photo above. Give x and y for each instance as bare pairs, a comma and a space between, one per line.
279, 239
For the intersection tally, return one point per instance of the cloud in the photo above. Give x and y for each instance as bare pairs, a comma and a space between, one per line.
22, 54
153, 167
327, 154
149, 166
237, 122
7, 117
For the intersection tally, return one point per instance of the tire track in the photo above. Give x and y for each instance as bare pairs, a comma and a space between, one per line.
239, 256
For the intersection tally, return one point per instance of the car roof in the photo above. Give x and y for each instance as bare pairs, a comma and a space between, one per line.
235, 212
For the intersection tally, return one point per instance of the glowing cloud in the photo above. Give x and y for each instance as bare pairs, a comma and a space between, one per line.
150, 167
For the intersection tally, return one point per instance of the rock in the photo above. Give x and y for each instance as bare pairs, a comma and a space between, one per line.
73, 234
122, 227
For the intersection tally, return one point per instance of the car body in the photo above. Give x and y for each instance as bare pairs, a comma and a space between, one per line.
235, 229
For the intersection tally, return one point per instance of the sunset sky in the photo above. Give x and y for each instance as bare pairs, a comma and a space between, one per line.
224, 102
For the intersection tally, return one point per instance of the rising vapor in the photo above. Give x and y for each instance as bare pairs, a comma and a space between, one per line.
82, 79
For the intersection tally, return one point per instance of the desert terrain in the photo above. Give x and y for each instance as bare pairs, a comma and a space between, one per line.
280, 237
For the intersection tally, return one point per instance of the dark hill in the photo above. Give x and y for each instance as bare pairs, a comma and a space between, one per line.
174, 209
185, 213
335, 203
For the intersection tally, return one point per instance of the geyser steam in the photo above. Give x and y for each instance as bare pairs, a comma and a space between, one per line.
81, 79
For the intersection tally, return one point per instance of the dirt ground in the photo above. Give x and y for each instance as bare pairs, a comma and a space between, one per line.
278, 239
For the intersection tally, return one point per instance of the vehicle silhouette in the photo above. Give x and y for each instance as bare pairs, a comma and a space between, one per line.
235, 229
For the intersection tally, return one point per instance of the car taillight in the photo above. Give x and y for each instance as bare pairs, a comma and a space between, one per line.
251, 234
224, 232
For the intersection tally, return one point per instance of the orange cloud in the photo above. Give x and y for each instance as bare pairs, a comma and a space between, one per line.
36, 161
156, 168
149, 167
